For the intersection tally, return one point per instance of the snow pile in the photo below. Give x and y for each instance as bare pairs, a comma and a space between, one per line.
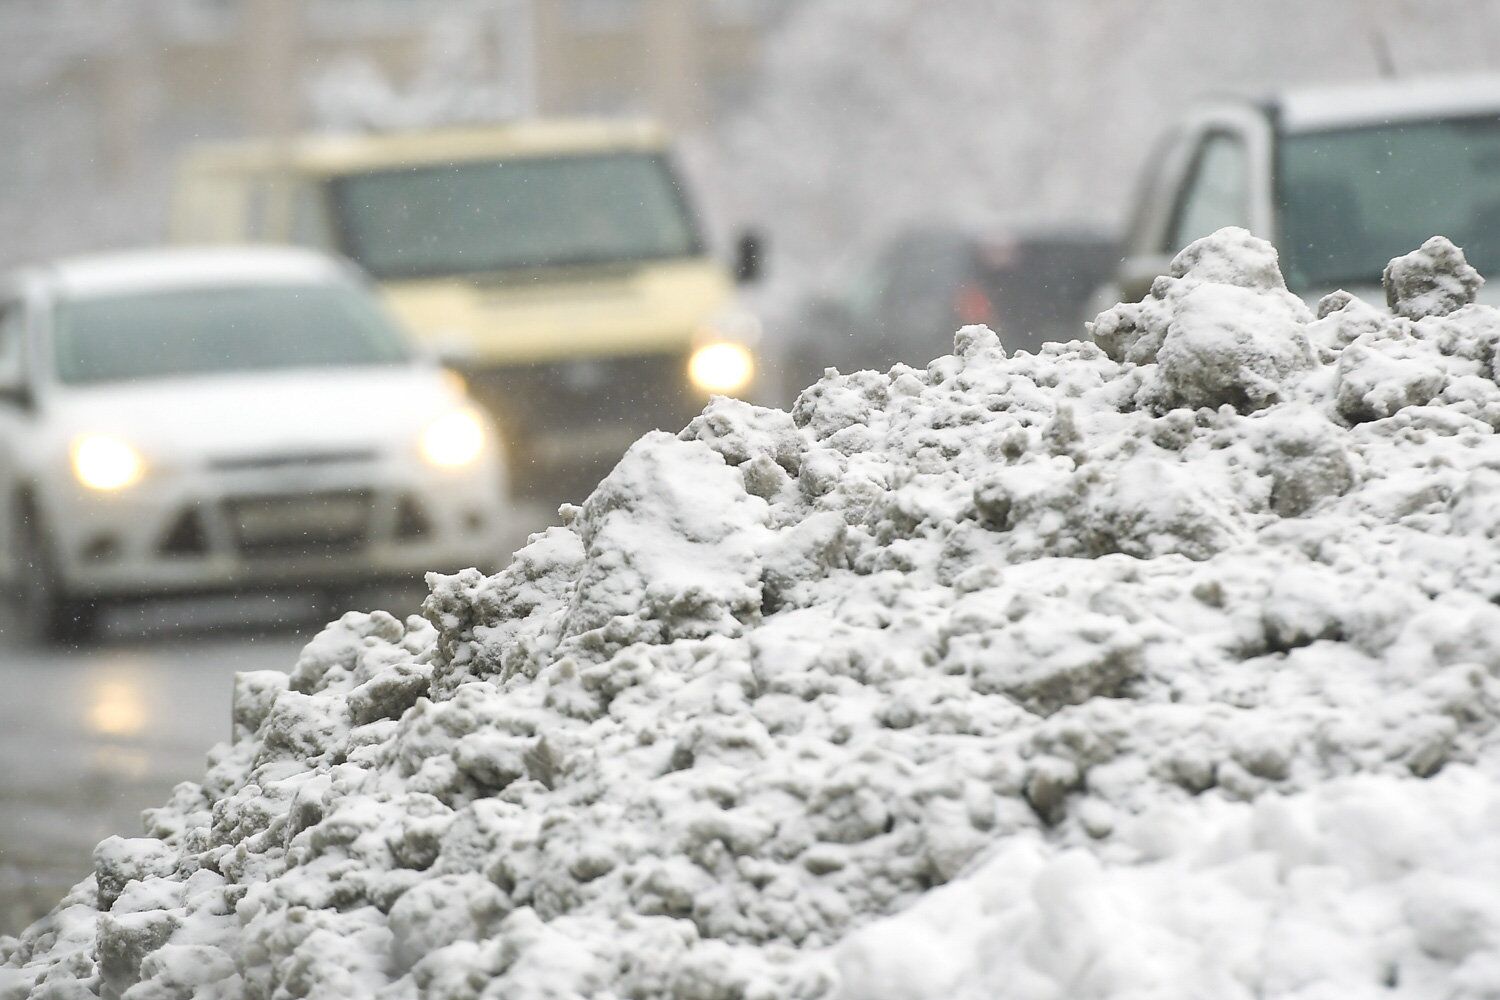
1164, 665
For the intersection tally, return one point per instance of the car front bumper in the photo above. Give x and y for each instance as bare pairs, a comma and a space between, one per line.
271, 526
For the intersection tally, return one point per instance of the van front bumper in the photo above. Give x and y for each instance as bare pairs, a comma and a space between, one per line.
571, 420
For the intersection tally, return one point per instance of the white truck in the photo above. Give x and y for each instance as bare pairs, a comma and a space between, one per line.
1340, 178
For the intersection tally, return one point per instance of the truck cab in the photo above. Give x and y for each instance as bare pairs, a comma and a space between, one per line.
1340, 179
558, 265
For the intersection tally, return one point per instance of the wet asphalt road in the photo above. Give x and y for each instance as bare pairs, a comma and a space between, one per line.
90, 737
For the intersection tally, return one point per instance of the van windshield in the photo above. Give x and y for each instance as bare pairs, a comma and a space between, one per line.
1349, 200
473, 217
212, 330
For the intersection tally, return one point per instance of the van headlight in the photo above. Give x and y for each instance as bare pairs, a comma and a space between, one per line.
453, 440
105, 463
723, 367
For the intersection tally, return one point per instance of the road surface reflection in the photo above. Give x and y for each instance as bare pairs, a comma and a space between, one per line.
91, 737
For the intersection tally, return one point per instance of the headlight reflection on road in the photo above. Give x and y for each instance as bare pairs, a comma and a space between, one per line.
116, 707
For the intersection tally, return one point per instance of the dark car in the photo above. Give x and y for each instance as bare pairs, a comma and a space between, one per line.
917, 289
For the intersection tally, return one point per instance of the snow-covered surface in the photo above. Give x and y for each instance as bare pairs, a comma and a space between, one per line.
1160, 666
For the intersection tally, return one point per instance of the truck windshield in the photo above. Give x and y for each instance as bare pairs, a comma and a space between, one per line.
472, 217
200, 331
1349, 200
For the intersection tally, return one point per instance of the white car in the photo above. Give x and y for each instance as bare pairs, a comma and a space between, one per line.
189, 421
1340, 178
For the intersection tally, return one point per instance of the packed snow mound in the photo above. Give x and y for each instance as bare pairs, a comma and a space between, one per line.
1159, 666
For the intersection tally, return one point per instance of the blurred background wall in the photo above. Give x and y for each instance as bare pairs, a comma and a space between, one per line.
828, 123
98, 96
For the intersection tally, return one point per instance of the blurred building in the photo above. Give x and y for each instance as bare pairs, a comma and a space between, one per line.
685, 61
97, 95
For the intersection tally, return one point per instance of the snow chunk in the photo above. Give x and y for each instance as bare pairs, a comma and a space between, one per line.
1231, 256
670, 538
1230, 346
1380, 374
1433, 280
1222, 328
118, 862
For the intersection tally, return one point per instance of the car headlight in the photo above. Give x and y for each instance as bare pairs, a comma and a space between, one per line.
723, 367
453, 440
106, 463
455, 381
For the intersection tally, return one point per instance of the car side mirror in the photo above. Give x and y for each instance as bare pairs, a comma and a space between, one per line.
17, 394
749, 257
15, 387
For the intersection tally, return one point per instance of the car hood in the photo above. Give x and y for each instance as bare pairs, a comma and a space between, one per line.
248, 415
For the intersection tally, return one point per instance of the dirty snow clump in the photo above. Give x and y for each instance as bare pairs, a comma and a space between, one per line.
1166, 664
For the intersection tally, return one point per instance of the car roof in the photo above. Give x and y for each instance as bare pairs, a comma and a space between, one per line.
344, 153
190, 267
1312, 109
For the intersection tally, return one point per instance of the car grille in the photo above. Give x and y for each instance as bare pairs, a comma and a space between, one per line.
639, 392
300, 524
291, 459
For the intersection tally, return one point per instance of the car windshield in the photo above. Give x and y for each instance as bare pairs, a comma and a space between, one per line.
463, 218
199, 331
1351, 199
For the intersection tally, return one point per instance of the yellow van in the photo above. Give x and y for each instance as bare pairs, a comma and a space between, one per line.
558, 264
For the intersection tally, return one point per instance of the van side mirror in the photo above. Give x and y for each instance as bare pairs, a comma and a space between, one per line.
748, 259
15, 387
17, 394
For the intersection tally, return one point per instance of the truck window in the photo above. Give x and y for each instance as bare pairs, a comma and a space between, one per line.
529, 212
1152, 197
1217, 193
1350, 199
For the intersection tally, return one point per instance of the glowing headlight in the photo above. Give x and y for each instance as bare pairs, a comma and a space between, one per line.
105, 463
721, 367
454, 440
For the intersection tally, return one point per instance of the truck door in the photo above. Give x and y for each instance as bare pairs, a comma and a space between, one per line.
1217, 191
1214, 171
